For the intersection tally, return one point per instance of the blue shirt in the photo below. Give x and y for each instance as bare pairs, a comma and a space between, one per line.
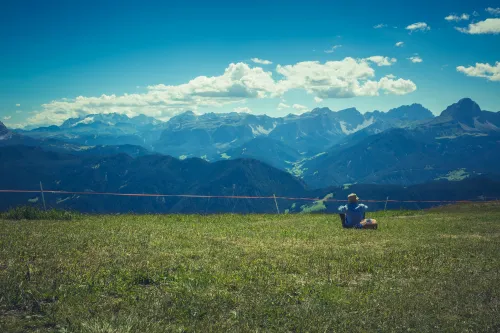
354, 213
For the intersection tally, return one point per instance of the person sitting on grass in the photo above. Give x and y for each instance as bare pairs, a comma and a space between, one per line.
354, 214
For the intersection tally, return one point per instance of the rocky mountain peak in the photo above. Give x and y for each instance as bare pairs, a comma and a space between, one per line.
3, 130
350, 112
188, 115
350, 116
321, 111
464, 110
414, 111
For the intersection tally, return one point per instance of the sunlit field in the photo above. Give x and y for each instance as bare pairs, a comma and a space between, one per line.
420, 272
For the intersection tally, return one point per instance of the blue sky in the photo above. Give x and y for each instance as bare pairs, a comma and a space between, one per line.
139, 57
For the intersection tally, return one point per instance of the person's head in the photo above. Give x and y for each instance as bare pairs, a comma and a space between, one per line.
352, 198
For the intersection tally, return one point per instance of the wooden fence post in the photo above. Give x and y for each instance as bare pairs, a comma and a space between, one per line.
276, 203
43, 197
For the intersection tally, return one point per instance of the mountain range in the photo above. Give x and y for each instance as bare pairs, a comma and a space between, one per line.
316, 153
462, 139
211, 135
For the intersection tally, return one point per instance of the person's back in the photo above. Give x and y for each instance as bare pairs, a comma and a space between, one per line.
354, 214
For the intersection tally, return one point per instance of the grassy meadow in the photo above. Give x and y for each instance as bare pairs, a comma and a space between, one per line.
430, 271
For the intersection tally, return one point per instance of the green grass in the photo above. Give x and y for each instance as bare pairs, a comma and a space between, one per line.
317, 206
298, 169
455, 175
435, 271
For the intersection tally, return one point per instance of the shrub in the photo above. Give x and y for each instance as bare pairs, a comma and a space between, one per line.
34, 213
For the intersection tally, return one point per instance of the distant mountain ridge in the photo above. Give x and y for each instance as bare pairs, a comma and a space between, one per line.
211, 135
462, 139
9, 138
110, 119
464, 110
406, 145
103, 129
463, 118
411, 112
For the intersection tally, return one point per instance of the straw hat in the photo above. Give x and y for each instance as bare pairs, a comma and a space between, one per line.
352, 197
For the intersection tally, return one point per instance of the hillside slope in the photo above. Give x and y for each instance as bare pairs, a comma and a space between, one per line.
24, 167
421, 153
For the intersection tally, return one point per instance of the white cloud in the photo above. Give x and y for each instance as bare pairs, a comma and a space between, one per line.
242, 109
391, 76
493, 11
282, 106
238, 83
415, 59
491, 73
299, 107
19, 111
7, 117
18, 105
488, 26
396, 87
261, 61
333, 79
333, 48
399, 44
381, 25
317, 99
16, 125
381, 61
419, 26
456, 18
